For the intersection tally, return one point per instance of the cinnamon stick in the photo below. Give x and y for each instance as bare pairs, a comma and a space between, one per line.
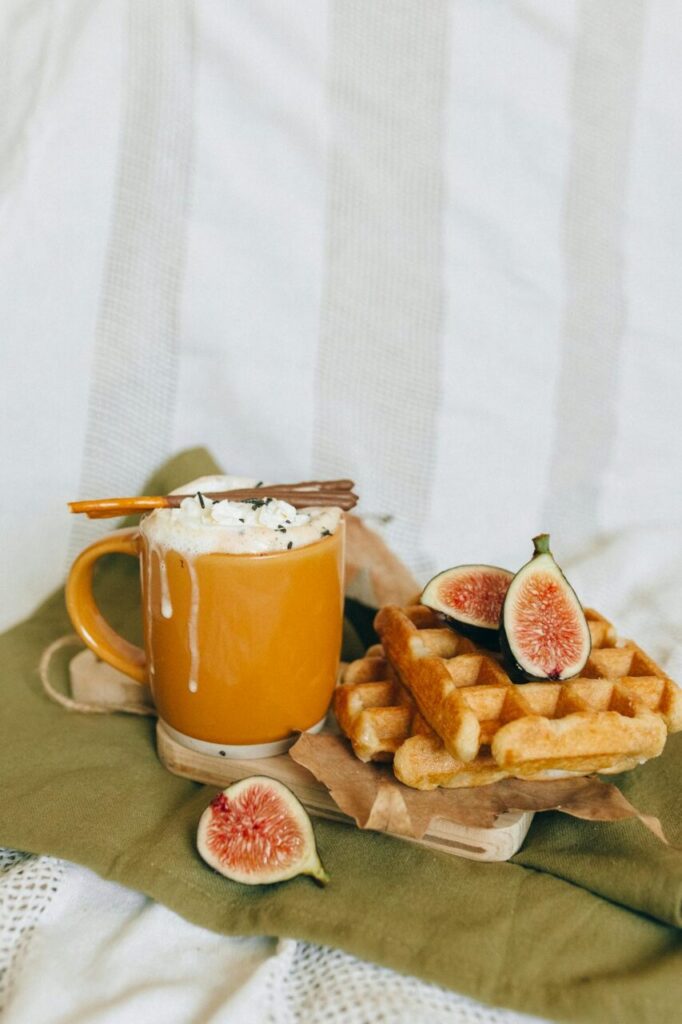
307, 494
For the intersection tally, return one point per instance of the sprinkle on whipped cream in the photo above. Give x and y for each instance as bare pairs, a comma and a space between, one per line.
268, 512
202, 526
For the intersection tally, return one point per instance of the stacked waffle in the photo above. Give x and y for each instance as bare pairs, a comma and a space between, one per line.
447, 714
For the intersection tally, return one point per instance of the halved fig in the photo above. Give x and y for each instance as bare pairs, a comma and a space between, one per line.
471, 596
544, 633
257, 832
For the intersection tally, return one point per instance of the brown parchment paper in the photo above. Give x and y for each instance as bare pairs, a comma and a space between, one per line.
374, 574
373, 797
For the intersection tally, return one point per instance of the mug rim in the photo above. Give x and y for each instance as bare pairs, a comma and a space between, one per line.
243, 554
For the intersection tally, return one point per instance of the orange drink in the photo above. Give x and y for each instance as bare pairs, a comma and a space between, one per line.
250, 651
241, 646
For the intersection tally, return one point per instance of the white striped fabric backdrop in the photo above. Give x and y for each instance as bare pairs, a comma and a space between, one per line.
434, 247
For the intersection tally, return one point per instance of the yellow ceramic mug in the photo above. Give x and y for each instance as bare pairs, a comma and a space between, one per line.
241, 649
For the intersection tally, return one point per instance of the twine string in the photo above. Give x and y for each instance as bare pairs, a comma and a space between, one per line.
85, 707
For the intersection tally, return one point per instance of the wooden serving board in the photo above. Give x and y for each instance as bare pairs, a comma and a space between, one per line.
497, 843
93, 680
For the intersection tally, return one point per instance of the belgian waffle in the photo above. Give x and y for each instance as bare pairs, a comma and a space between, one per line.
412, 699
372, 708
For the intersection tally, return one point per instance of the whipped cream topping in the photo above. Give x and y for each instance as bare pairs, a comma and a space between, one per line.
201, 526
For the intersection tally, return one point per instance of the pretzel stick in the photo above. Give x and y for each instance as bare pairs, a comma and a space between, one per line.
313, 493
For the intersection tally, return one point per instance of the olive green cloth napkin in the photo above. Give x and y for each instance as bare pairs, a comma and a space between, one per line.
581, 927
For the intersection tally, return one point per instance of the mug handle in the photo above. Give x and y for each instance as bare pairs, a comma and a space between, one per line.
86, 617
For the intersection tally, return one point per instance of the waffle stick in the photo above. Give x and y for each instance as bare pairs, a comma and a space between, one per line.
418, 656
372, 717
631, 712
382, 729
382, 724
372, 708
582, 725
371, 705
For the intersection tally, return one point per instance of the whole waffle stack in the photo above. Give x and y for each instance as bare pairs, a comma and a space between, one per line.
447, 713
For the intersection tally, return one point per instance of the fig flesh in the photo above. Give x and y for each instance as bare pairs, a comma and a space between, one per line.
257, 832
543, 633
471, 596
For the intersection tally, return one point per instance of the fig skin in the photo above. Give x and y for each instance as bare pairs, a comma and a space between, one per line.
511, 665
307, 862
479, 635
483, 635
517, 672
